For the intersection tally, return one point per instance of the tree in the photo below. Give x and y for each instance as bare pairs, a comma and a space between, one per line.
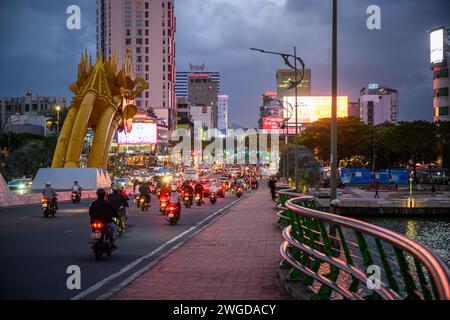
416, 142
309, 168
443, 135
354, 139
27, 159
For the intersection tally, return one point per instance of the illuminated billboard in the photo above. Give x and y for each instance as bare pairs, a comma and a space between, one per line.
437, 46
311, 109
272, 124
141, 133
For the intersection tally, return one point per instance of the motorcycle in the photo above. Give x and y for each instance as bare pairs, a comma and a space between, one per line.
254, 185
48, 208
163, 204
173, 214
198, 199
101, 240
213, 198
239, 192
187, 200
137, 200
75, 197
120, 222
145, 203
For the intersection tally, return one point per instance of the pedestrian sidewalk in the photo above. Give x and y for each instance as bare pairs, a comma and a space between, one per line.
235, 258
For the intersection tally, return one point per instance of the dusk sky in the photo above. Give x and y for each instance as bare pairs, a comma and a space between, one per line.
40, 53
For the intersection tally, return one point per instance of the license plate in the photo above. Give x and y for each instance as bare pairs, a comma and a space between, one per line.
44, 205
96, 235
171, 215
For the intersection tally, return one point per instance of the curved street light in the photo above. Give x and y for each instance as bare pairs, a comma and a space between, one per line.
293, 85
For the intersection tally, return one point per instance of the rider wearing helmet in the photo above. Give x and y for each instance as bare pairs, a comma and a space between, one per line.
50, 194
104, 211
76, 188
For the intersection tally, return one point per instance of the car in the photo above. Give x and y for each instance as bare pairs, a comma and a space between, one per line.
18, 184
124, 181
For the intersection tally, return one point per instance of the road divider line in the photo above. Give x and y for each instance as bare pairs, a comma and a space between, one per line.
131, 265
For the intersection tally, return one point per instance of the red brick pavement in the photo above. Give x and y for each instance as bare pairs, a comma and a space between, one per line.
234, 258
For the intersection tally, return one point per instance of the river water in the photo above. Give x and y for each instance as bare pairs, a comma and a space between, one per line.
433, 233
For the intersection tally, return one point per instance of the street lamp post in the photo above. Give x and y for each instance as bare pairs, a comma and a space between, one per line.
294, 85
286, 120
58, 109
333, 160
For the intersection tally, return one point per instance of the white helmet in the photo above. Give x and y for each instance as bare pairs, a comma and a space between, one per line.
47, 183
174, 188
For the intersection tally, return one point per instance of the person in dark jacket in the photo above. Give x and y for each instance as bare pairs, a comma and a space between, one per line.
104, 211
273, 187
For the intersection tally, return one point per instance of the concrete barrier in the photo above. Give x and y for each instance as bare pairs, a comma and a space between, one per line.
35, 198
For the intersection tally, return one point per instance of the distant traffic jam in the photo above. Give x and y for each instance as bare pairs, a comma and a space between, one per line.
186, 186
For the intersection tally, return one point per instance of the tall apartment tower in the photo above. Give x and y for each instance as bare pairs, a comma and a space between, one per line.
440, 61
147, 28
203, 91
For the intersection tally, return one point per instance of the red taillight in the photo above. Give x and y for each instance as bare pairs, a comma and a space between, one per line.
171, 209
97, 225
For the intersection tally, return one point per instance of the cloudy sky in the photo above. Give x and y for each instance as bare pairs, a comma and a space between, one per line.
38, 51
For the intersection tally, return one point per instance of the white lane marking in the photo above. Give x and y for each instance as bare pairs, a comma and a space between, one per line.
113, 276
24, 217
67, 231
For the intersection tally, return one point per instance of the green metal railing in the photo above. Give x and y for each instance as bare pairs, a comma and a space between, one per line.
342, 258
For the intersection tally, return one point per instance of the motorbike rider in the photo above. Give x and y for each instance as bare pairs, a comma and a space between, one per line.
187, 188
198, 189
50, 194
76, 188
104, 211
213, 188
137, 185
118, 200
175, 198
144, 190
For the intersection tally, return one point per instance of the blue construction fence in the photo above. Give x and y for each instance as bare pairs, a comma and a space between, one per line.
365, 176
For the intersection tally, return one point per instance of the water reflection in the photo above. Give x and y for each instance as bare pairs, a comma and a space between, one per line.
433, 233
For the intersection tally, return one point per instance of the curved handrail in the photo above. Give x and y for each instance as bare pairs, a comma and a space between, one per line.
437, 269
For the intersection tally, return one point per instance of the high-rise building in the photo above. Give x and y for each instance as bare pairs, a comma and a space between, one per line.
29, 104
284, 78
354, 110
378, 104
181, 79
440, 60
146, 28
222, 113
202, 91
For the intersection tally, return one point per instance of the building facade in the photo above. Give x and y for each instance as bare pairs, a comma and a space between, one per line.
284, 76
440, 60
222, 113
30, 104
181, 80
147, 29
202, 91
378, 104
354, 110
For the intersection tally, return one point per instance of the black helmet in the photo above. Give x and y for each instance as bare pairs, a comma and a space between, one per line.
101, 193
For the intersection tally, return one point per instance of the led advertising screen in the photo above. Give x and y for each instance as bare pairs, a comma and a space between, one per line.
437, 46
311, 109
141, 133
272, 124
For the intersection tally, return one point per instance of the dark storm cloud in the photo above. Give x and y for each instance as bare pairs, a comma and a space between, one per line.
39, 52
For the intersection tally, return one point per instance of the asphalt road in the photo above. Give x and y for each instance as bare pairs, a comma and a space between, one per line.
35, 252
